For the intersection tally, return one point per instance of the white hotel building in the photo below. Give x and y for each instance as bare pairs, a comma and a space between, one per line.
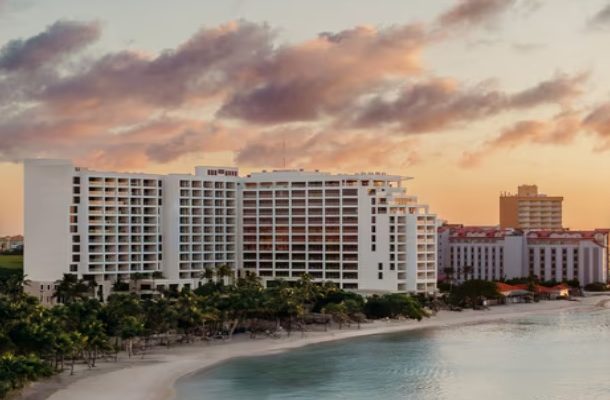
361, 231
493, 253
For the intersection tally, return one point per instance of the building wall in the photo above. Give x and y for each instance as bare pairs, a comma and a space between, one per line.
47, 197
530, 210
361, 231
200, 224
354, 230
509, 212
495, 253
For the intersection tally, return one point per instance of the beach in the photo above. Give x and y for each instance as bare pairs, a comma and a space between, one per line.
153, 376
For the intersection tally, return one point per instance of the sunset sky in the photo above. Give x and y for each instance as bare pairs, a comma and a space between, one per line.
469, 97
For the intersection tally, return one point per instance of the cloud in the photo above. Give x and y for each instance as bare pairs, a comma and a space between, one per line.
601, 19
339, 99
561, 130
467, 13
205, 65
303, 148
442, 103
305, 82
162, 141
598, 122
523, 47
560, 89
58, 40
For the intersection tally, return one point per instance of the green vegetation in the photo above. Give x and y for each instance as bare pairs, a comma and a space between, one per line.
472, 293
11, 268
12, 262
36, 341
597, 287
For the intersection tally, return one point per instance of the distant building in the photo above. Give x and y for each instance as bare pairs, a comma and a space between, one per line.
8, 243
529, 209
493, 253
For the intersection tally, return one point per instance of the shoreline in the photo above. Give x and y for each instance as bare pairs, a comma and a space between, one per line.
154, 376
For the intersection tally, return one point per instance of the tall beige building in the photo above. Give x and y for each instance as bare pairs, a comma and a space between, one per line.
529, 209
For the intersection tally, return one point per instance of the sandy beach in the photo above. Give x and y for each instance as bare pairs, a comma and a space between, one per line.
153, 377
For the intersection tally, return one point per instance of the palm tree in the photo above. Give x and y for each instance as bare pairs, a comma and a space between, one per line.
468, 271
308, 291
135, 278
13, 285
449, 272
223, 271
338, 312
70, 289
208, 274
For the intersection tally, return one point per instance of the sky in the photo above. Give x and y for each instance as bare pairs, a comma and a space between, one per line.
469, 97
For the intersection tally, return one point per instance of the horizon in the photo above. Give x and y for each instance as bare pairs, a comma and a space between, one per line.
471, 98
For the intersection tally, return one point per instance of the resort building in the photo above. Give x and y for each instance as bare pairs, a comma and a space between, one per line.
493, 253
9, 243
361, 231
529, 209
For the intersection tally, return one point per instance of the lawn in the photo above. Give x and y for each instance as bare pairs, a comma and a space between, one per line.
11, 262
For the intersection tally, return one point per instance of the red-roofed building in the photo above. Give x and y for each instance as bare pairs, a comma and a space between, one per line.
493, 253
10, 242
514, 293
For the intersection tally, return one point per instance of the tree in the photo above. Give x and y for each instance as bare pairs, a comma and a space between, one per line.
472, 293
70, 289
159, 317
188, 314
15, 371
208, 274
224, 271
338, 312
449, 272
130, 328
136, 277
392, 306
468, 271
283, 303
12, 285
354, 310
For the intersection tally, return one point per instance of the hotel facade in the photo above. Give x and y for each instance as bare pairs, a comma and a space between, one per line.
361, 231
528, 209
493, 253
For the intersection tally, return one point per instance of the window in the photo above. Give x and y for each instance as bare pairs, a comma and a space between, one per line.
373, 247
380, 275
380, 266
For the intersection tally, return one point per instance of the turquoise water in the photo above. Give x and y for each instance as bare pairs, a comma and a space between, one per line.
564, 356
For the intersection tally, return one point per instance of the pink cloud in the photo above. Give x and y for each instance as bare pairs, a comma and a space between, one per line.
472, 12
56, 42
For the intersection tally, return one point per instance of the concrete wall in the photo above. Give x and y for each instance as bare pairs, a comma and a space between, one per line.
48, 195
